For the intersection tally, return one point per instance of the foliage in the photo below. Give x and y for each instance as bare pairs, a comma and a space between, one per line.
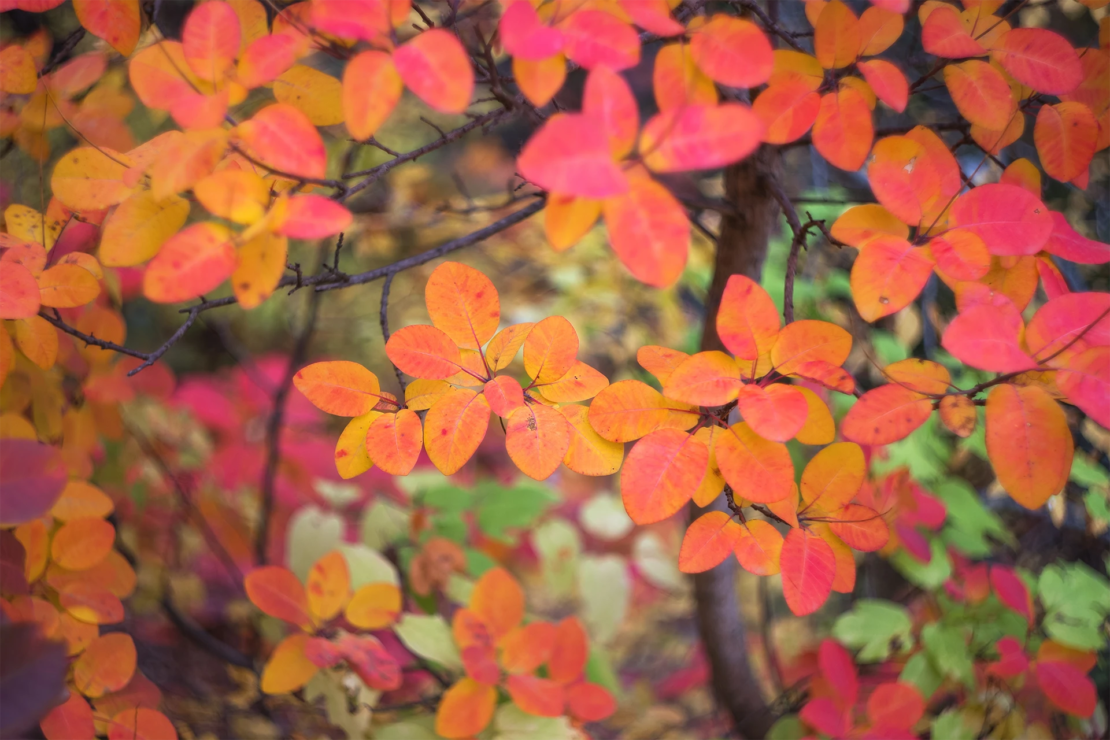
120, 483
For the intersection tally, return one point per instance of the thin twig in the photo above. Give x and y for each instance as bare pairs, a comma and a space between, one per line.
383, 319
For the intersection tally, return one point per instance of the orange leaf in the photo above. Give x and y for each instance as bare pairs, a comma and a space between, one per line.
1040, 59
759, 548
266, 58
859, 224
758, 469
713, 482
649, 231
923, 376
434, 65
80, 500
424, 352
237, 195
833, 477
819, 429
747, 321
589, 453
107, 664
981, 94
537, 437
860, 527
653, 16
116, 21
569, 155
884, 415
987, 337
662, 473
312, 217
837, 37
791, 65
787, 109
570, 652
88, 602
19, 293
843, 130
958, 414
277, 592
1067, 687
528, 647
91, 179
960, 254
541, 697
830, 376
627, 410
594, 38
341, 388
185, 161
463, 303
70, 720
288, 668
454, 427
38, 340
879, 29
465, 709
704, 379
539, 81
888, 275
943, 34
710, 539
1029, 443
261, 265
608, 98
211, 39
67, 286
776, 412
844, 582
808, 569
700, 137
550, 349
902, 178
141, 723
17, 71
394, 441
112, 574
660, 361
375, 606
498, 601
888, 82
82, 543
504, 395
329, 586
371, 89
1066, 135
589, 702
567, 219
677, 80
502, 349
732, 51
281, 137
191, 263
808, 341
580, 383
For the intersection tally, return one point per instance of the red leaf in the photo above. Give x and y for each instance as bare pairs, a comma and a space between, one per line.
569, 155
525, 36
776, 412
608, 98
884, 415
424, 352
1041, 59
887, 81
649, 231
1069, 688
839, 671
313, 217
539, 696
593, 38
987, 337
808, 569
1066, 135
895, 706
943, 34
588, 702
661, 474
824, 716
282, 137
1012, 661
211, 40
1012, 591
747, 321
700, 137
1066, 242
277, 592
710, 539
434, 65
1010, 220
1086, 382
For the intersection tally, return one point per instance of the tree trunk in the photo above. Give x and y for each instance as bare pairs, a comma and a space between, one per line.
742, 250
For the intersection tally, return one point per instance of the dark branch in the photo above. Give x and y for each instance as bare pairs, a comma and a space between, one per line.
383, 319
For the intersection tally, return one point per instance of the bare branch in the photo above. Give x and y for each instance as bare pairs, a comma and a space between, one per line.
383, 319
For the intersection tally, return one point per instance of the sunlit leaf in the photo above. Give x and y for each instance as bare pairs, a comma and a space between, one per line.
843, 130
454, 427
434, 65
757, 469
281, 137
569, 155
649, 231
661, 474
277, 592
708, 541
808, 568
1029, 443
1040, 59
732, 51
700, 137
884, 415
210, 40
888, 275
537, 437
107, 664
837, 37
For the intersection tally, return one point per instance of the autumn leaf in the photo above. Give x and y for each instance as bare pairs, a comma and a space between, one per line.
808, 568
661, 474
1029, 443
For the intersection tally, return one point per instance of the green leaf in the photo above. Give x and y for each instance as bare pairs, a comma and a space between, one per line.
1097, 501
1079, 627
417, 728
954, 725
920, 672
429, 636
450, 525
926, 575
789, 727
559, 544
513, 723
312, 534
1087, 473
368, 566
518, 507
337, 493
948, 651
383, 523
969, 522
604, 517
874, 627
448, 498
477, 562
337, 704
599, 670
604, 587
